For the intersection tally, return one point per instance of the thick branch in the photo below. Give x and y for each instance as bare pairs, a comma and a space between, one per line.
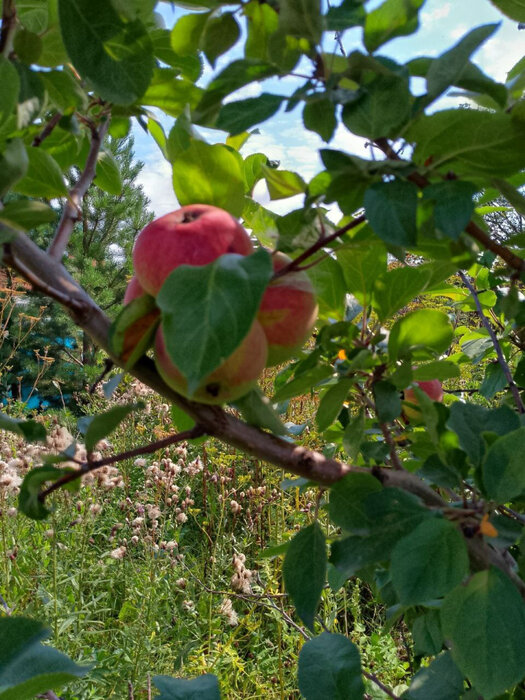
473, 230
72, 207
497, 347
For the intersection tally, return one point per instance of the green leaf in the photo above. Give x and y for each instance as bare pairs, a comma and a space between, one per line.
346, 15
515, 9
9, 87
331, 403
26, 214
387, 400
353, 553
108, 173
220, 34
420, 334
511, 194
190, 66
362, 265
13, 165
441, 680
204, 687
28, 498
469, 421
180, 419
330, 667
239, 116
262, 21
330, 289
346, 506
301, 18
446, 69
115, 56
209, 175
207, 311
171, 93
381, 110
27, 667
319, 116
394, 514
391, 208
428, 562
187, 32
27, 46
304, 571
471, 142
353, 435
256, 409
485, 624
43, 178
53, 50
28, 429
503, 473
101, 425
303, 383
494, 380
30, 97
439, 369
33, 15
64, 91
253, 173
453, 205
391, 19
427, 635
283, 183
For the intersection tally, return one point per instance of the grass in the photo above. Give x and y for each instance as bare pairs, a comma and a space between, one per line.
156, 568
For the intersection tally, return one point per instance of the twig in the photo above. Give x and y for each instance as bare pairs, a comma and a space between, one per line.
394, 457
72, 207
372, 677
471, 228
47, 130
88, 467
318, 245
497, 347
8, 28
108, 366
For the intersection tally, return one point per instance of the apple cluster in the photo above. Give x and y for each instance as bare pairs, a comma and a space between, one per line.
198, 234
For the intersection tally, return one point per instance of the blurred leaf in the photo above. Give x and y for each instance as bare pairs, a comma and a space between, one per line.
303, 383
43, 177
220, 34
427, 635
319, 116
304, 571
27, 46
27, 667
440, 680
131, 333
119, 63
330, 288
330, 667
170, 93
30, 430
494, 381
204, 687
420, 334
387, 400
9, 87
382, 108
346, 504
391, 19
485, 623
362, 265
429, 562
453, 205
301, 18
282, 183
105, 423
64, 91
503, 473
28, 498
13, 164
353, 435
27, 213
108, 174
187, 32
209, 175
262, 21
331, 402
391, 210
256, 409
207, 311
515, 9
241, 115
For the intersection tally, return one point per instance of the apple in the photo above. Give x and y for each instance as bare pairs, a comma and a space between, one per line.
133, 290
234, 378
287, 313
432, 389
196, 234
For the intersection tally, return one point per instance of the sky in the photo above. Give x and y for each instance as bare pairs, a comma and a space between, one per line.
283, 138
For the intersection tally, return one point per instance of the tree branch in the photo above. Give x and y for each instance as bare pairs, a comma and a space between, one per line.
473, 230
497, 347
8, 28
88, 467
72, 207
47, 130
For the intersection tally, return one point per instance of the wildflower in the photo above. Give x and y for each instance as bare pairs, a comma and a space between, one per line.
228, 612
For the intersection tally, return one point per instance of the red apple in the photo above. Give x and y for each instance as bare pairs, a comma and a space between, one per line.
432, 389
287, 313
196, 234
234, 378
133, 290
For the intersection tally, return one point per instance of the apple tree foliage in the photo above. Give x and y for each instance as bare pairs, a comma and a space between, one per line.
430, 515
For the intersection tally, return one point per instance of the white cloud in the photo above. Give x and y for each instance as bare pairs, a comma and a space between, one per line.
500, 53
155, 179
435, 15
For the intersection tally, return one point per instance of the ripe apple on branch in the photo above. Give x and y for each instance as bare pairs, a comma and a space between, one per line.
197, 235
432, 388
